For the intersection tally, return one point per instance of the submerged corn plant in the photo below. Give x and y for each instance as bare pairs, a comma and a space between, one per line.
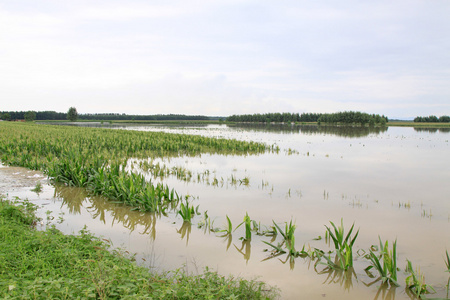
385, 262
416, 281
97, 159
288, 242
248, 227
186, 211
229, 229
343, 245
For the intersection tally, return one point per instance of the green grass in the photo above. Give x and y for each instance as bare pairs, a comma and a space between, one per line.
50, 265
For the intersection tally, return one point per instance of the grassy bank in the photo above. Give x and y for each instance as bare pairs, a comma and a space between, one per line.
50, 265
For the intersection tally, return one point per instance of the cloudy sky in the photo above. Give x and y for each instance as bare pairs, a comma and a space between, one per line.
226, 57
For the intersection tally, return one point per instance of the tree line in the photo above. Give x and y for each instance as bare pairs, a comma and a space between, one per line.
347, 117
159, 117
53, 115
432, 119
275, 117
353, 117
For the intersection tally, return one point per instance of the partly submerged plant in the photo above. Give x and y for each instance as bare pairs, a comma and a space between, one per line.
416, 282
385, 263
186, 211
248, 227
343, 245
37, 188
229, 229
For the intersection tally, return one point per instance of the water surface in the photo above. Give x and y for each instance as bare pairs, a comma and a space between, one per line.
392, 183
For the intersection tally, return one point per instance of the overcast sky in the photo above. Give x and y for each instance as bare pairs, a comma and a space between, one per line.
226, 57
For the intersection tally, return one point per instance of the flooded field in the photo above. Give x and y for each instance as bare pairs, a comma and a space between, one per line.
392, 183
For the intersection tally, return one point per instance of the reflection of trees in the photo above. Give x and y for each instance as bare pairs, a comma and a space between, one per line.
98, 207
432, 130
343, 131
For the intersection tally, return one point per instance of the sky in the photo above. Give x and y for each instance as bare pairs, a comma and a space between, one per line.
225, 57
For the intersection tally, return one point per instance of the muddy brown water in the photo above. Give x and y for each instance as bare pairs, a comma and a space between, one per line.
392, 184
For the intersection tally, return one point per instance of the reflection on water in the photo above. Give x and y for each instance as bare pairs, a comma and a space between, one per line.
308, 129
245, 249
389, 182
338, 276
185, 231
76, 198
432, 130
342, 131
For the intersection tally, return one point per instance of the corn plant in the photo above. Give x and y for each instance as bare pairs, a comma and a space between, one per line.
288, 241
385, 263
186, 211
97, 158
416, 281
248, 227
229, 229
343, 245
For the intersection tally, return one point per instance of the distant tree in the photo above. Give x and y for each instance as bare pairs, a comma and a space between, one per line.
30, 116
444, 119
6, 116
72, 114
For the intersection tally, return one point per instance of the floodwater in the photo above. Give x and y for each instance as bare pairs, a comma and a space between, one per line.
392, 183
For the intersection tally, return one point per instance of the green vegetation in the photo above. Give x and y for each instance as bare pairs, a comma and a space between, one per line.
97, 159
72, 114
49, 265
352, 117
248, 227
343, 245
30, 116
6, 116
432, 119
416, 281
53, 115
187, 211
275, 117
37, 188
385, 263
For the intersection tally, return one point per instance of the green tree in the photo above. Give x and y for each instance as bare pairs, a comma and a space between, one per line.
30, 116
6, 116
72, 114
